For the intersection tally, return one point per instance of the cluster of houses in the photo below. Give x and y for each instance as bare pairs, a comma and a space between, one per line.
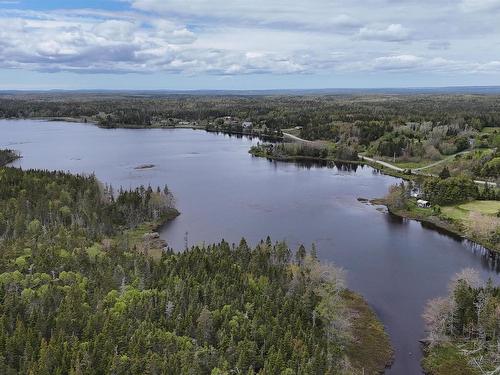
234, 121
227, 121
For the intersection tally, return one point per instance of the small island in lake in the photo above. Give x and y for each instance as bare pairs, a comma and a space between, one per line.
145, 166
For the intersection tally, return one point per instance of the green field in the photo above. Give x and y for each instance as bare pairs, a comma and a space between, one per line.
462, 211
413, 164
490, 130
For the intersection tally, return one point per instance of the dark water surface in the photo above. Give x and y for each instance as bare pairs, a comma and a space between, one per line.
223, 192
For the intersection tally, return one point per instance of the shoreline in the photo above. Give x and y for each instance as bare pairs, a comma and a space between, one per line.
11, 157
432, 221
371, 350
294, 159
371, 347
298, 158
435, 223
90, 121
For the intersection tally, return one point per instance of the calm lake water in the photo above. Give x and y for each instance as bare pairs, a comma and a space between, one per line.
225, 193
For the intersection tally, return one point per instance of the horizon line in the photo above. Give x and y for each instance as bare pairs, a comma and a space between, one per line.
461, 88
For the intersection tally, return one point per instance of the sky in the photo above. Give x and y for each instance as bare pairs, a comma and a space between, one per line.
248, 44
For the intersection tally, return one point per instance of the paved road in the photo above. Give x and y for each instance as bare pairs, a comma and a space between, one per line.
418, 170
295, 138
393, 167
385, 164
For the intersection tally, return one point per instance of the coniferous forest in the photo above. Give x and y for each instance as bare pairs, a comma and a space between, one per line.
78, 297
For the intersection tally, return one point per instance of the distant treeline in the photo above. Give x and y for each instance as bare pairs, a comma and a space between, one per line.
314, 113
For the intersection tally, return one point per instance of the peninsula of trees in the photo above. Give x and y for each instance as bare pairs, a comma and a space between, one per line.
7, 156
86, 289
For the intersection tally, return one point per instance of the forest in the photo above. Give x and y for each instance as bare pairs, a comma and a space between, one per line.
373, 114
79, 297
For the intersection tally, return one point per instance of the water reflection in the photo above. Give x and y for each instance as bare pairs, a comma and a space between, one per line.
489, 259
309, 163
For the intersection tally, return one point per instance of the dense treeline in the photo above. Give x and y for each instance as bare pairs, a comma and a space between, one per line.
298, 151
33, 200
451, 190
315, 114
463, 328
78, 298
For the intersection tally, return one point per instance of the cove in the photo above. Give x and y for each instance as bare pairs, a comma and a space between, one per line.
223, 192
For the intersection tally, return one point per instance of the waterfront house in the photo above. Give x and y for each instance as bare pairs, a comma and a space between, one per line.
423, 204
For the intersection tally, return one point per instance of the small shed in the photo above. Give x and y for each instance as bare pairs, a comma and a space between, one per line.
423, 204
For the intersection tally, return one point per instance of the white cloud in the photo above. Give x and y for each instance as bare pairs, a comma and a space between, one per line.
264, 36
480, 5
390, 33
52, 42
312, 15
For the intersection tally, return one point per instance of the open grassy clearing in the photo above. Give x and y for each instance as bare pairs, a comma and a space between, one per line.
463, 211
477, 219
413, 164
489, 130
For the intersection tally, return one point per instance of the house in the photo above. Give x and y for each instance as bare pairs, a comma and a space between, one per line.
231, 121
423, 204
247, 124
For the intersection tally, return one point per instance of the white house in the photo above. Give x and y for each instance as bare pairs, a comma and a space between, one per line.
247, 124
423, 204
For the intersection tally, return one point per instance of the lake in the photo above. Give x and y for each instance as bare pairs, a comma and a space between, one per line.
225, 193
